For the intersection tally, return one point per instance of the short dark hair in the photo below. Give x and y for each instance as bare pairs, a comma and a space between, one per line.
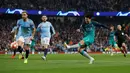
111, 25
88, 15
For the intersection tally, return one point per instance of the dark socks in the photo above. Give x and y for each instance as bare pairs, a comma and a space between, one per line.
14, 52
27, 54
20, 49
45, 52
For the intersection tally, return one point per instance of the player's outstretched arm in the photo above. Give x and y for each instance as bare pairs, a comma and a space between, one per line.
80, 29
97, 24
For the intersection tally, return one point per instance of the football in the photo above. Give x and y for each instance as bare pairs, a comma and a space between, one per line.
14, 45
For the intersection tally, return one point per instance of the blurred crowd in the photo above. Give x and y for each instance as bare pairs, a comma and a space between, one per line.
5, 32
80, 5
65, 28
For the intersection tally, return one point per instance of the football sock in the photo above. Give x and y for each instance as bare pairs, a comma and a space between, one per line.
85, 54
45, 52
75, 46
20, 49
27, 54
14, 52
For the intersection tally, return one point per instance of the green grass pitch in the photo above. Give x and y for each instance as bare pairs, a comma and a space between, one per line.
66, 63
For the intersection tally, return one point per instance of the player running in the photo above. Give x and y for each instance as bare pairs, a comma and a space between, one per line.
121, 35
46, 31
16, 36
111, 40
88, 29
26, 29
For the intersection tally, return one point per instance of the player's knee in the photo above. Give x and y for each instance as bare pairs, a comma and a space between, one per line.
27, 47
123, 44
20, 44
80, 49
21, 39
81, 42
45, 45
